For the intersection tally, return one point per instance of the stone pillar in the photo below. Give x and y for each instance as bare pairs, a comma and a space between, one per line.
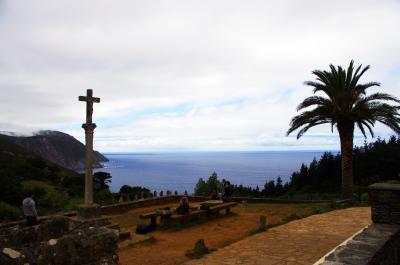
385, 203
89, 129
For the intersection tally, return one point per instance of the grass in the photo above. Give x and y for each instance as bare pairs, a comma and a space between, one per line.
176, 225
147, 242
73, 203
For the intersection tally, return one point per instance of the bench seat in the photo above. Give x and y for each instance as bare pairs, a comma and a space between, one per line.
194, 213
148, 215
224, 206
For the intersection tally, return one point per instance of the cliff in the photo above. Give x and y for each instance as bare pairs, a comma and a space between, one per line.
57, 147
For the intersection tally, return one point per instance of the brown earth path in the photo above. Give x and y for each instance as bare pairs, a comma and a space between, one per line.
169, 246
299, 242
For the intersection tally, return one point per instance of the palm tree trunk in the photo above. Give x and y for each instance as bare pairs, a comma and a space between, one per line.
346, 131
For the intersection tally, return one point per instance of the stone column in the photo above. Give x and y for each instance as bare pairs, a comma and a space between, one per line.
89, 129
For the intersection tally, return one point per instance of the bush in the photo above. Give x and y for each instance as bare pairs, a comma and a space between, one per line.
103, 197
8, 212
45, 195
73, 203
10, 185
364, 196
130, 191
392, 181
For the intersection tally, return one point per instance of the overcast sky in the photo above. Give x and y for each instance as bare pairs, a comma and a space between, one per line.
186, 75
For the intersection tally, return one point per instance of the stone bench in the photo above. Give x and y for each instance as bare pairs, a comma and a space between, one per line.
152, 216
204, 212
224, 206
195, 212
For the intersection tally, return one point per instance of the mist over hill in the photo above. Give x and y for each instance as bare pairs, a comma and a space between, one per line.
57, 147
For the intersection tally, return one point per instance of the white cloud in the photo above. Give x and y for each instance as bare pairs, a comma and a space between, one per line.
144, 57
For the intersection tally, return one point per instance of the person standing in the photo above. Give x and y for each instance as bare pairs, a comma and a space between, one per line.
227, 189
29, 209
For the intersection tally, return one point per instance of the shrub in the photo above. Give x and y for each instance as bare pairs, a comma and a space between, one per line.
8, 212
103, 197
45, 195
10, 185
364, 196
73, 203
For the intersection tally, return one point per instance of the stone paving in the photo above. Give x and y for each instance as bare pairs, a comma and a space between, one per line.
300, 242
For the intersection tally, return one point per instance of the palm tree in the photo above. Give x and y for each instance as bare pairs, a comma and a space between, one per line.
345, 106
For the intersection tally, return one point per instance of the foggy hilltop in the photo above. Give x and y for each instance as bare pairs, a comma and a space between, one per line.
57, 147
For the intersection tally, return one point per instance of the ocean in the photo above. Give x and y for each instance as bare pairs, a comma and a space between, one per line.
181, 171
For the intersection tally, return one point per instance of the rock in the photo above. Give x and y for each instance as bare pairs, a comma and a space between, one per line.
12, 253
60, 241
52, 242
199, 250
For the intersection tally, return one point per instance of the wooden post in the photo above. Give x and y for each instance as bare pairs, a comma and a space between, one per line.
263, 222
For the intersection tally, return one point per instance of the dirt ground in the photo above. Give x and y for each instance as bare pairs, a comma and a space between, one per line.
168, 246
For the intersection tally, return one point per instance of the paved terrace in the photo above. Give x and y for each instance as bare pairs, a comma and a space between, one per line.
299, 242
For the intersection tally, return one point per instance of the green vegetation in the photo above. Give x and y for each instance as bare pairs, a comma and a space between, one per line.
54, 188
345, 106
205, 188
373, 162
147, 242
46, 196
8, 212
130, 192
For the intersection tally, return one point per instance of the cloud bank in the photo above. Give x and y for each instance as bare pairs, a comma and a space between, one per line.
186, 75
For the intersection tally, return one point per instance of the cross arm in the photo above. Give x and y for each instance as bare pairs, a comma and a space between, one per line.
90, 99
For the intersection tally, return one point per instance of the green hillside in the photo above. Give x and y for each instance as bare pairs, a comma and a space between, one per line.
54, 187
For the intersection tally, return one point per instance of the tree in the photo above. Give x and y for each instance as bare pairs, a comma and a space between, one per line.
205, 188
345, 106
101, 180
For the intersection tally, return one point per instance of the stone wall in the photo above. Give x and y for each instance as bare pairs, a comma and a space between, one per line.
379, 243
385, 203
59, 241
126, 206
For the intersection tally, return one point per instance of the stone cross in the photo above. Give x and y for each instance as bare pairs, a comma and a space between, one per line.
89, 129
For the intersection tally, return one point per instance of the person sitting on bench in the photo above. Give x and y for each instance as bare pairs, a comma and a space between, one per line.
184, 207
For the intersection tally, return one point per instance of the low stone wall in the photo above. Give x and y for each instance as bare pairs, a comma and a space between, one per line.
126, 206
376, 244
272, 200
385, 203
379, 243
59, 241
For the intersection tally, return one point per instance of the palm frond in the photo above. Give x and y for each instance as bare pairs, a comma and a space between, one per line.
314, 100
346, 102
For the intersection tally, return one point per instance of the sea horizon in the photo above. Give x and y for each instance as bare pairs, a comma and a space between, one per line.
219, 151
180, 171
